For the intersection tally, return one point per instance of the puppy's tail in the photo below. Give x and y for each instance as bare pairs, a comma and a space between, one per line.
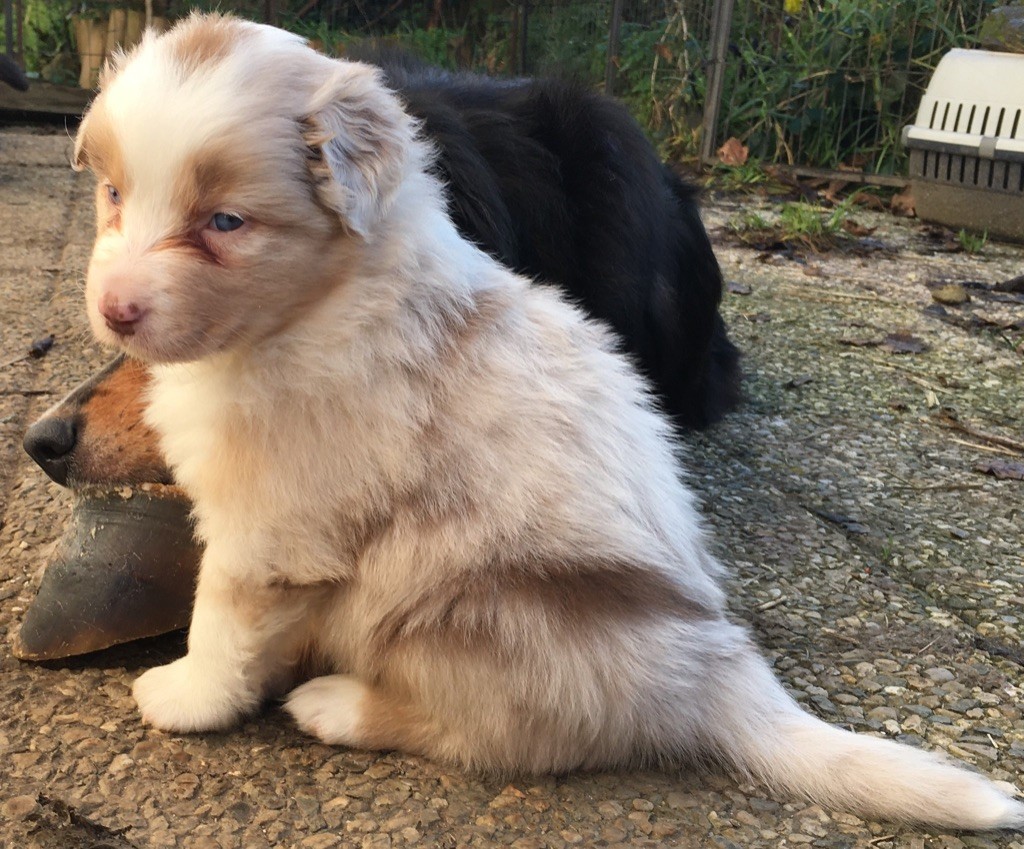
767, 735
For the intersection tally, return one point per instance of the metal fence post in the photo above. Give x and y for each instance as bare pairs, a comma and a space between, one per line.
524, 26
720, 27
614, 26
9, 27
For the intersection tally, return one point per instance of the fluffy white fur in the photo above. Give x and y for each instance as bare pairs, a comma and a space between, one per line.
411, 469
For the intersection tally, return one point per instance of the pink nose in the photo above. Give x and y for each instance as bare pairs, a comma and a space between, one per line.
122, 317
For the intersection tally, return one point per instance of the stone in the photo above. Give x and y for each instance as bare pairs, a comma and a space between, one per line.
939, 674
19, 807
322, 840
1003, 29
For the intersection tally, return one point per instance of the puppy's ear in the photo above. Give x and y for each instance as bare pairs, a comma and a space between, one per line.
111, 68
79, 159
359, 137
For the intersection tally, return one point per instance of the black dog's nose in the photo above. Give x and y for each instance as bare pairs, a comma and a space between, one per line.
51, 443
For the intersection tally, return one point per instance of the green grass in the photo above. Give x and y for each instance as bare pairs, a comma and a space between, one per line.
798, 224
972, 243
738, 178
748, 222
836, 82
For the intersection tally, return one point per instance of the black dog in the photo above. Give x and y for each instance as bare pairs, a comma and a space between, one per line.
11, 74
561, 184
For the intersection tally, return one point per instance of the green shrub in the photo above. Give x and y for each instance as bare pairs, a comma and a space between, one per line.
46, 34
837, 82
833, 82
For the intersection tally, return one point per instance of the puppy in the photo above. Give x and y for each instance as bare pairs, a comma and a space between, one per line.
436, 485
552, 180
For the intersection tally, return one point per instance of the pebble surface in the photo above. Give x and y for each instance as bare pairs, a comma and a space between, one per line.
880, 572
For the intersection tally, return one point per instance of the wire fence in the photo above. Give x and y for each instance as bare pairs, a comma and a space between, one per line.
833, 83
827, 83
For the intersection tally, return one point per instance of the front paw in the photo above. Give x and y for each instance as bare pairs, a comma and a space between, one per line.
181, 697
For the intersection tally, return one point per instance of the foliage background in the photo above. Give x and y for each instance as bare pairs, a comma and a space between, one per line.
824, 83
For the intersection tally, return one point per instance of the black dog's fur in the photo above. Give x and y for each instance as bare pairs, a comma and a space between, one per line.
11, 74
560, 184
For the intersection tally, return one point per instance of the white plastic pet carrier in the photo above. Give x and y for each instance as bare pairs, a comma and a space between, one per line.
967, 145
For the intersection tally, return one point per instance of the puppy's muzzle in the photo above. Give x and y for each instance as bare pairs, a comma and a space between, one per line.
122, 317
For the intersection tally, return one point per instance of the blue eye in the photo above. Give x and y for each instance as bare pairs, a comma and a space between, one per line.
114, 195
225, 222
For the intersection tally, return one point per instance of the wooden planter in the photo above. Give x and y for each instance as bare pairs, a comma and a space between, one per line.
97, 39
91, 43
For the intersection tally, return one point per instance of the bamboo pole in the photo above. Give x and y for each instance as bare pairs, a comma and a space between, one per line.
117, 25
610, 67
716, 78
135, 23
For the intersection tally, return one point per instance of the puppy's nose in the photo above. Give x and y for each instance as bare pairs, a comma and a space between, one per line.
51, 443
122, 317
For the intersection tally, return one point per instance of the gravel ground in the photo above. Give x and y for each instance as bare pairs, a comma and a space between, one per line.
881, 572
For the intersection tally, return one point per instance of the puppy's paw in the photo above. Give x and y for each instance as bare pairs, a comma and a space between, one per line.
329, 708
179, 697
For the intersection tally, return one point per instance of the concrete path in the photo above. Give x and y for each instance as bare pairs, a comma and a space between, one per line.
881, 572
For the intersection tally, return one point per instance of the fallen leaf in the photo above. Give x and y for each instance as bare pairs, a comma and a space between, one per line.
942, 238
733, 152
734, 288
847, 523
779, 252
795, 382
903, 203
902, 342
953, 294
855, 229
871, 201
860, 343
786, 178
1012, 470
868, 245
833, 190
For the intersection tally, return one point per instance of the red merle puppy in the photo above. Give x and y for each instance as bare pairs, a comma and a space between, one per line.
559, 184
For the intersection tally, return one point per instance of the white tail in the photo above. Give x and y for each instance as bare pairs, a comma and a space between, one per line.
766, 734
